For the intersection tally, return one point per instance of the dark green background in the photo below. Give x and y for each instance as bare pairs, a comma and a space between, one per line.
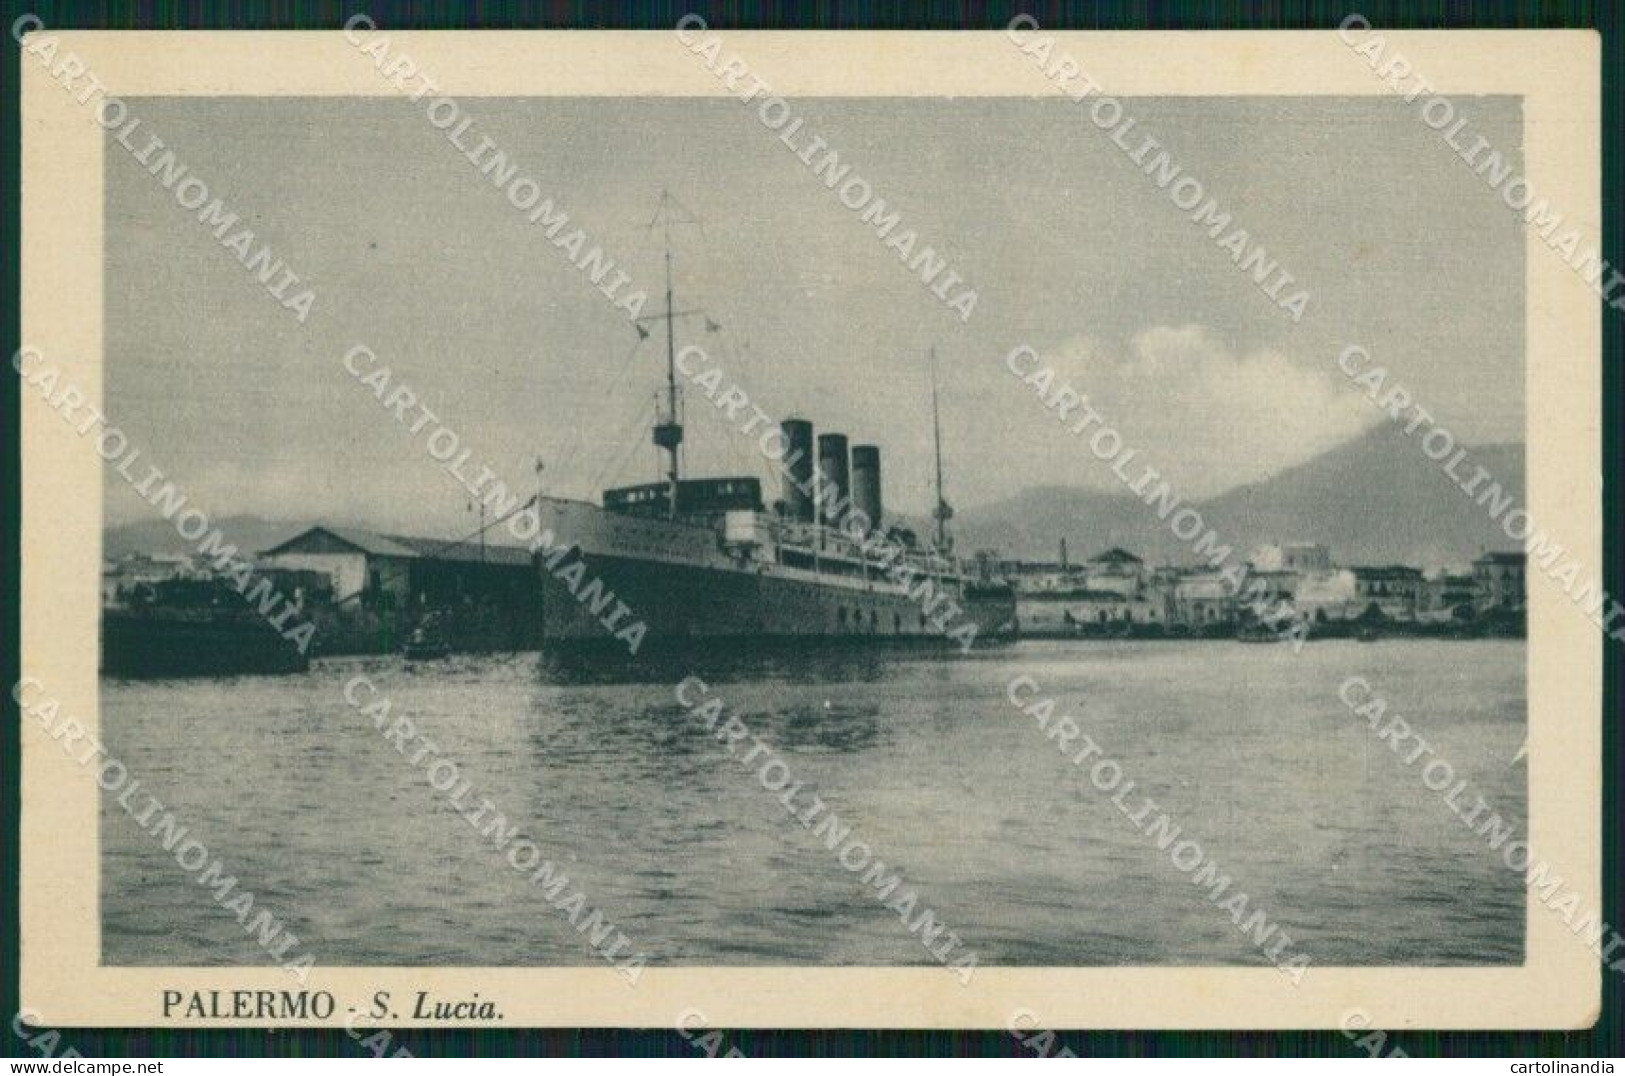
1607, 1039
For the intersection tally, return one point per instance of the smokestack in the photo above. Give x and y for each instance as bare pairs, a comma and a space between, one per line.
866, 482
833, 477
798, 476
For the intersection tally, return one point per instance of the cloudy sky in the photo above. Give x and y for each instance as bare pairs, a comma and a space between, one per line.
1072, 249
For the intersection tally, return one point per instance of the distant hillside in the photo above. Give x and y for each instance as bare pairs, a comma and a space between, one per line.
1375, 499
157, 535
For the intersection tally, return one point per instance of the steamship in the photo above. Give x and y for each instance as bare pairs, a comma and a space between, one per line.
697, 559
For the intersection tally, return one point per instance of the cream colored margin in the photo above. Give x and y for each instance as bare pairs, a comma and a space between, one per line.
1556, 72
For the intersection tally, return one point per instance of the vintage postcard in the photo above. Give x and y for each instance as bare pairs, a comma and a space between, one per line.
710, 529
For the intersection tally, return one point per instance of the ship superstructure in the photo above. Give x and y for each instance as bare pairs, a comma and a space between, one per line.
693, 558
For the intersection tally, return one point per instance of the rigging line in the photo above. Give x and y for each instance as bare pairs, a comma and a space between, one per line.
716, 433
634, 443
740, 362
477, 531
734, 449
727, 430
625, 430
764, 467
612, 449
575, 440
613, 461
618, 467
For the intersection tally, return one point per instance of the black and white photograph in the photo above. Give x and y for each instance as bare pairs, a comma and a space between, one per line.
1029, 520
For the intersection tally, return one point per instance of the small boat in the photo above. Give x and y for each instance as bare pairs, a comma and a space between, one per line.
1271, 631
420, 648
427, 641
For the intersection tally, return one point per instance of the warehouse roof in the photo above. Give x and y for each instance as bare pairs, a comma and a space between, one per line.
463, 549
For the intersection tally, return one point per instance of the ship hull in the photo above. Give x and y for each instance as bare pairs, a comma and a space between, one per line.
676, 603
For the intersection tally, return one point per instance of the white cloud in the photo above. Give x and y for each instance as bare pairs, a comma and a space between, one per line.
1210, 417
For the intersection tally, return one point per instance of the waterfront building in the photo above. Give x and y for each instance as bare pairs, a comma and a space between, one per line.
1306, 557
1203, 601
1270, 588
1039, 576
1391, 589
1325, 596
383, 585
364, 563
1116, 570
1500, 580
1447, 595
1292, 557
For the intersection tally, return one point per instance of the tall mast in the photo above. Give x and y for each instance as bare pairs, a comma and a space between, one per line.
669, 434
674, 471
943, 513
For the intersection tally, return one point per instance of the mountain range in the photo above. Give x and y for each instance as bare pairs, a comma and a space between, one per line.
1373, 500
